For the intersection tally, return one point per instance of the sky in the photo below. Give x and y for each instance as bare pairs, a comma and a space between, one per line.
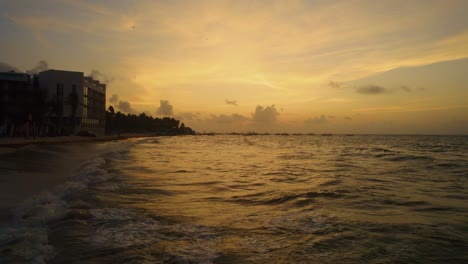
392, 67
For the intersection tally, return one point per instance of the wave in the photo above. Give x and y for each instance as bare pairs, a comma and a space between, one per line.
300, 200
26, 238
409, 158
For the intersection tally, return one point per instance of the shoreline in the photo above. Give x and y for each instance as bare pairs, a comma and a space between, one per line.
32, 167
9, 142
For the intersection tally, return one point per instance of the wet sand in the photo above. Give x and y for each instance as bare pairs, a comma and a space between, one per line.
21, 141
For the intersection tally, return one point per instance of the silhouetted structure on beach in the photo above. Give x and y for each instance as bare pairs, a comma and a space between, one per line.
50, 103
22, 105
77, 102
56, 102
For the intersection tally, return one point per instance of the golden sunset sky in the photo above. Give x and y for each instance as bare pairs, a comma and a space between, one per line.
277, 66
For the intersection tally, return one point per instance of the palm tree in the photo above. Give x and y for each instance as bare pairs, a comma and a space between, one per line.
110, 120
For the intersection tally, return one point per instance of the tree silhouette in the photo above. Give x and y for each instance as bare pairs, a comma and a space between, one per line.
144, 123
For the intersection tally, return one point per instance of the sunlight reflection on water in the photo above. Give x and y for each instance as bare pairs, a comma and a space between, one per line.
263, 199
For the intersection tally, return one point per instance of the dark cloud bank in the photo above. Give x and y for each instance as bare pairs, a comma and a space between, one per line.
376, 89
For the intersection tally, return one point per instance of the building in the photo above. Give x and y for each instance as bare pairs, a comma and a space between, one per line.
94, 111
16, 102
78, 102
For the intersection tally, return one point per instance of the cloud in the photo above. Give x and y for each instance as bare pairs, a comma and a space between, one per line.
165, 108
231, 102
114, 98
265, 115
376, 89
399, 109
372, 89
5, 67
405, 88
223, 123
348, 118
40, 66
98, 75
126, 107
319, 120
234, 118
338, 100
187, 116
335, 85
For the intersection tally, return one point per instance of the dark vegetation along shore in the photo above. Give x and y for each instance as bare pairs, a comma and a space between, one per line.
118, 126
117, 122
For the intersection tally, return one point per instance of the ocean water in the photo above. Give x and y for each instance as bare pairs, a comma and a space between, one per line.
253, 199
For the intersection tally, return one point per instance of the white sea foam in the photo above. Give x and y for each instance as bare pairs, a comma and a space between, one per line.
26, 240
27, 243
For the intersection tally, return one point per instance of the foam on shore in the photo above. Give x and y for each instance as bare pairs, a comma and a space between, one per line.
24, 237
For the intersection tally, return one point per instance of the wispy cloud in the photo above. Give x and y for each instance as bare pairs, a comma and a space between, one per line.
372, 89
335, 85
376, 89
398, 109
231, 102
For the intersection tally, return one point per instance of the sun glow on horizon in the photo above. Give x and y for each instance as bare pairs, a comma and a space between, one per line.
319, 63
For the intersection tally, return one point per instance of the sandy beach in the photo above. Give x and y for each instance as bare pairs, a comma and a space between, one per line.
21, 141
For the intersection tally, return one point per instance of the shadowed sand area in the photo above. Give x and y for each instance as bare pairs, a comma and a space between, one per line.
20, 141
29, 167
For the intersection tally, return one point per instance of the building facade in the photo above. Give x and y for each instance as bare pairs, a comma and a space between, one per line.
78, 102
94, 105
16, 102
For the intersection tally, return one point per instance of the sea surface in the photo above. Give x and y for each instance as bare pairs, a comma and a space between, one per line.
253, 199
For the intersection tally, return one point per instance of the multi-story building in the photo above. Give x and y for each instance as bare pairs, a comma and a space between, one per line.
94, 105
15, 101
78, 101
